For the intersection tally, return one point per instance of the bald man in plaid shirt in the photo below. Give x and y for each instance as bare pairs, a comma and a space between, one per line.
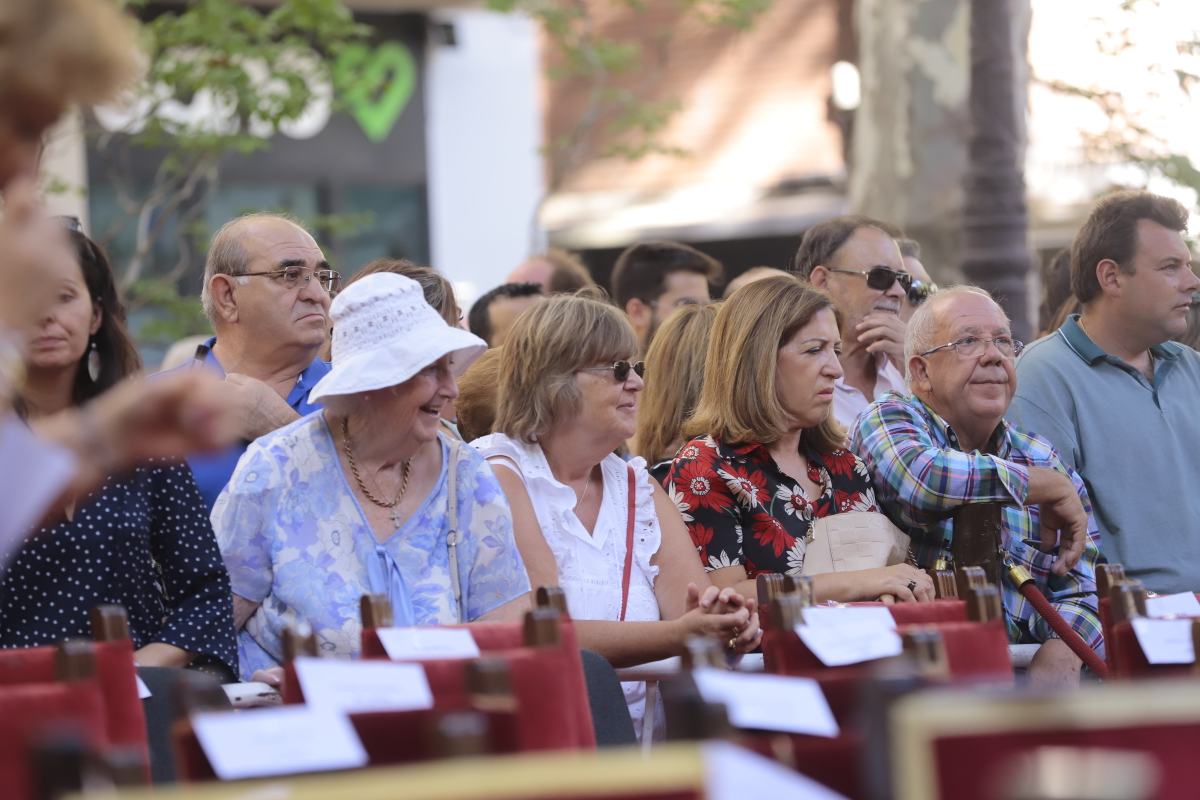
947, 445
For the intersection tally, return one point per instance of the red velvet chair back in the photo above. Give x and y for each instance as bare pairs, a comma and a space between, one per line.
116, 678
947, 610
973, 765
834, 762
1132, 662
1128, 661
937, 611
973, 650
389, 737
31, 710
548, 682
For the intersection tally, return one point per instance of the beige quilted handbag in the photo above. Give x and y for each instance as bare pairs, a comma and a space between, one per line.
851, 541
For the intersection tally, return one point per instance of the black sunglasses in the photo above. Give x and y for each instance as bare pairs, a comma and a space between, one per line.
880, 278
920, 291
620, 369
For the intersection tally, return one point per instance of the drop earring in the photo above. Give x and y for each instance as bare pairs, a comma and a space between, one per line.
93, 362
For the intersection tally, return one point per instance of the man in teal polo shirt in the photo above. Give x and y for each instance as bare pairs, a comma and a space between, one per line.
1117, 398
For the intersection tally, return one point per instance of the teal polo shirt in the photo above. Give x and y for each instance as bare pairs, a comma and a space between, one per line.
1135, 442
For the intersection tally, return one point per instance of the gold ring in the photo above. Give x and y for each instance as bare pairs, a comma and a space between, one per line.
732, 644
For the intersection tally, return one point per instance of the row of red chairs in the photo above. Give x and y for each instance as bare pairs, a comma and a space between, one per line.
86, 689
1121, 601
525, 694
947, 641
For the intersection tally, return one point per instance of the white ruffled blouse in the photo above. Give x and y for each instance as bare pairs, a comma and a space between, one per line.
591, 566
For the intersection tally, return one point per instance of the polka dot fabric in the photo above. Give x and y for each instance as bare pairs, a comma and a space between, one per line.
143, 542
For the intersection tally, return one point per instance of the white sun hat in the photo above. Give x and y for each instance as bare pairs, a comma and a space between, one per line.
384, 333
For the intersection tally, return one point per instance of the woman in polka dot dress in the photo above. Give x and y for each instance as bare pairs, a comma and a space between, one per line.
142, 540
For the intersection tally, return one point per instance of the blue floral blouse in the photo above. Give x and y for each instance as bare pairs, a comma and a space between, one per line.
296, 541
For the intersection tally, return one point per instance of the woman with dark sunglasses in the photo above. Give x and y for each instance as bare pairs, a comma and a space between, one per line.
586, 520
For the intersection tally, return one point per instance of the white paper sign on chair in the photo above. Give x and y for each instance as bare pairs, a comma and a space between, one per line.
1183, 604
277, 741
769, 702
349, 686
427, 644
849, 634
1165, 641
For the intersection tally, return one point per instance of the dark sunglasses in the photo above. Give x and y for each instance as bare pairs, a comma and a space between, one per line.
880, 278
920, 291
620, 369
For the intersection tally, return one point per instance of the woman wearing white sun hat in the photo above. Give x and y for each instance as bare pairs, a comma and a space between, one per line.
354, 498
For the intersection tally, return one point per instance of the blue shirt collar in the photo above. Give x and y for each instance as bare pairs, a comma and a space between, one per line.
1083, 346
297, 398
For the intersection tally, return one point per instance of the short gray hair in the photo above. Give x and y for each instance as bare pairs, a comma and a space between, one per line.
227, 256
923, 326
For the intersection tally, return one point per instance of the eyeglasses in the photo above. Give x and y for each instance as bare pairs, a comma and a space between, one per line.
974, 346
919, 291
620, 369
292, 277
880, 278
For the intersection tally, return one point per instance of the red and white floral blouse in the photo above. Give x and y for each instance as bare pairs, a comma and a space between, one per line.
740, 508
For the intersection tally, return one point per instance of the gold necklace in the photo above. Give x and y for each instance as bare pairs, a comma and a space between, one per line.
587, 487
395, 515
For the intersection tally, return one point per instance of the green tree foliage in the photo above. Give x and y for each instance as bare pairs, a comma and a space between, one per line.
256, 70
633, 125
1171, 80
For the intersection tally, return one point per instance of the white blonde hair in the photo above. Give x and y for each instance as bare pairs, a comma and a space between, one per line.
924, 324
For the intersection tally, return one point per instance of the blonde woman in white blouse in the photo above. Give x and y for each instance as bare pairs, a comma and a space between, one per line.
568, 397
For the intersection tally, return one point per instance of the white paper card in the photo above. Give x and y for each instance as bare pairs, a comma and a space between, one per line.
850, 643
1165, 641
277, 741
348, 686
734, 773
143, 689
769, 702
426, 644
1183, 604
837, 616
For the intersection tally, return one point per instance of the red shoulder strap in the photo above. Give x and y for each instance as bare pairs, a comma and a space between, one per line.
628, 544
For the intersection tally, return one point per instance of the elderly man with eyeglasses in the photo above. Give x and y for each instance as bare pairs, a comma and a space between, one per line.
267, 289
947, 444
856, 261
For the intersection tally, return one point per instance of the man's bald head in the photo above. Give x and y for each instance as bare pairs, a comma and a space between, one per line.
228, 254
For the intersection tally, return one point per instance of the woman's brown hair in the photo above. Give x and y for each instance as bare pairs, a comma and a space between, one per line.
436, 287
739, 402
547, 345
118, 358
477, 392
674, 375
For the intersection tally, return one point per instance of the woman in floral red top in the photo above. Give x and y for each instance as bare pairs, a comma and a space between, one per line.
767, 457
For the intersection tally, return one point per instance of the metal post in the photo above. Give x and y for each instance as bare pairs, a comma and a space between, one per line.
997, 255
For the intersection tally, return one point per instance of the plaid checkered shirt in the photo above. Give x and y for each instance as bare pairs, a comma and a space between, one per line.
922, 476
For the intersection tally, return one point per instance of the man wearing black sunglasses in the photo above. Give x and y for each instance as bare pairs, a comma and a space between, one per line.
857, 262
922, 285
